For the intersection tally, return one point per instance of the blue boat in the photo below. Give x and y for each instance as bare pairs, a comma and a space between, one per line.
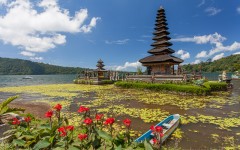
169, 125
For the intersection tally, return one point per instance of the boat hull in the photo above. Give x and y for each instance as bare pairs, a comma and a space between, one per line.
167, 132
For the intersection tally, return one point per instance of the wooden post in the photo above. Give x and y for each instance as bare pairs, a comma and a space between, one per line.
173, 69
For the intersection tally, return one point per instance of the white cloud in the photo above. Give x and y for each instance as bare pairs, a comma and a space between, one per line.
202, 54
120, 42
88, 28
26, 27
215, 39
197, 61
219, 56
212, 11
128, 66
211, 38
183, 54
3, 2
26, 53
236, 53
238, 9
202, 3
36, 58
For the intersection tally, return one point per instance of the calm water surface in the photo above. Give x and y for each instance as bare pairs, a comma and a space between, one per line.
191, 140
18, 80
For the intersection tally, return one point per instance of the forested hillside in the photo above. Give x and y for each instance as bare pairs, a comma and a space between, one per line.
230, 64
22, 67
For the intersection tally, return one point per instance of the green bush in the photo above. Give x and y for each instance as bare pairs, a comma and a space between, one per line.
216, 86
107, 82
94, 131
193, 89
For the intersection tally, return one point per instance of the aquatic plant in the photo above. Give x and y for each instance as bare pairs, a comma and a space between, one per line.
57, 133
4, 108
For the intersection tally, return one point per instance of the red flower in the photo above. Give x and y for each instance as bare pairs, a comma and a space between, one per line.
82, 136
127, 122
161, 135
99, 116
154, 141
109, 121
15, 121
63, 131
159, 129
58, 107
88, 121
28, 119
83, 109
49, 114
70, 128
152, 128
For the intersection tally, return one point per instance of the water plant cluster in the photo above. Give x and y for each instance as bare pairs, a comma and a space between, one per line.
146, 107
95, 131
204, 89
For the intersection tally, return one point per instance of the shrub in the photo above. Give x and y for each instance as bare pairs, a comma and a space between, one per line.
183, 88
107, 82
216, 86
94, 132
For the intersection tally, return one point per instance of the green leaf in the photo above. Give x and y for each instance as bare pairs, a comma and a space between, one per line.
41, 144
72, 148
45, 126
28, 137
9, 132
147, 145
51, 139
15, 109
18, 142
104, 135
119, 147
7, 101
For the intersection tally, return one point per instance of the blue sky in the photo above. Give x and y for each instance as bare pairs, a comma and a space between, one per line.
79, 32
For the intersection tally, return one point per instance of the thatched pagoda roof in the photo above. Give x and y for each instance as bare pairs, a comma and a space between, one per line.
160, 58
164, 43
161, 50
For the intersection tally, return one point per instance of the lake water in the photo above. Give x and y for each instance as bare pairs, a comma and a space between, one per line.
201, 139
18, 80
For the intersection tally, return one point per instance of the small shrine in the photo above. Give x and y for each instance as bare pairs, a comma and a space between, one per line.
102, 74
97, 76
161, 62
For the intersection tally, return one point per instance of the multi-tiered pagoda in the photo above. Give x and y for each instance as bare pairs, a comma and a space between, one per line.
161, 61
100, 65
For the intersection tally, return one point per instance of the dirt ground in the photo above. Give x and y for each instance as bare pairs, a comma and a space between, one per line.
38, 109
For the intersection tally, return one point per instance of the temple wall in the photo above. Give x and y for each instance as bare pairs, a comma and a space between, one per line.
161, 69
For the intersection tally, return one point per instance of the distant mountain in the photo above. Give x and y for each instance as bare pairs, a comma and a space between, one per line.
9, 66
230, 64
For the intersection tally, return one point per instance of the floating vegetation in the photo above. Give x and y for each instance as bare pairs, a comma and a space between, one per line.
177, 134
145, 105
215, 138
145, 114
222, 123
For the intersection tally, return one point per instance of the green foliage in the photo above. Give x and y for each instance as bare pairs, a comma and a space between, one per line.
139, 71
216, 86
10, 66
107, 82
55, 134
4, 108
193, 89
230, 64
